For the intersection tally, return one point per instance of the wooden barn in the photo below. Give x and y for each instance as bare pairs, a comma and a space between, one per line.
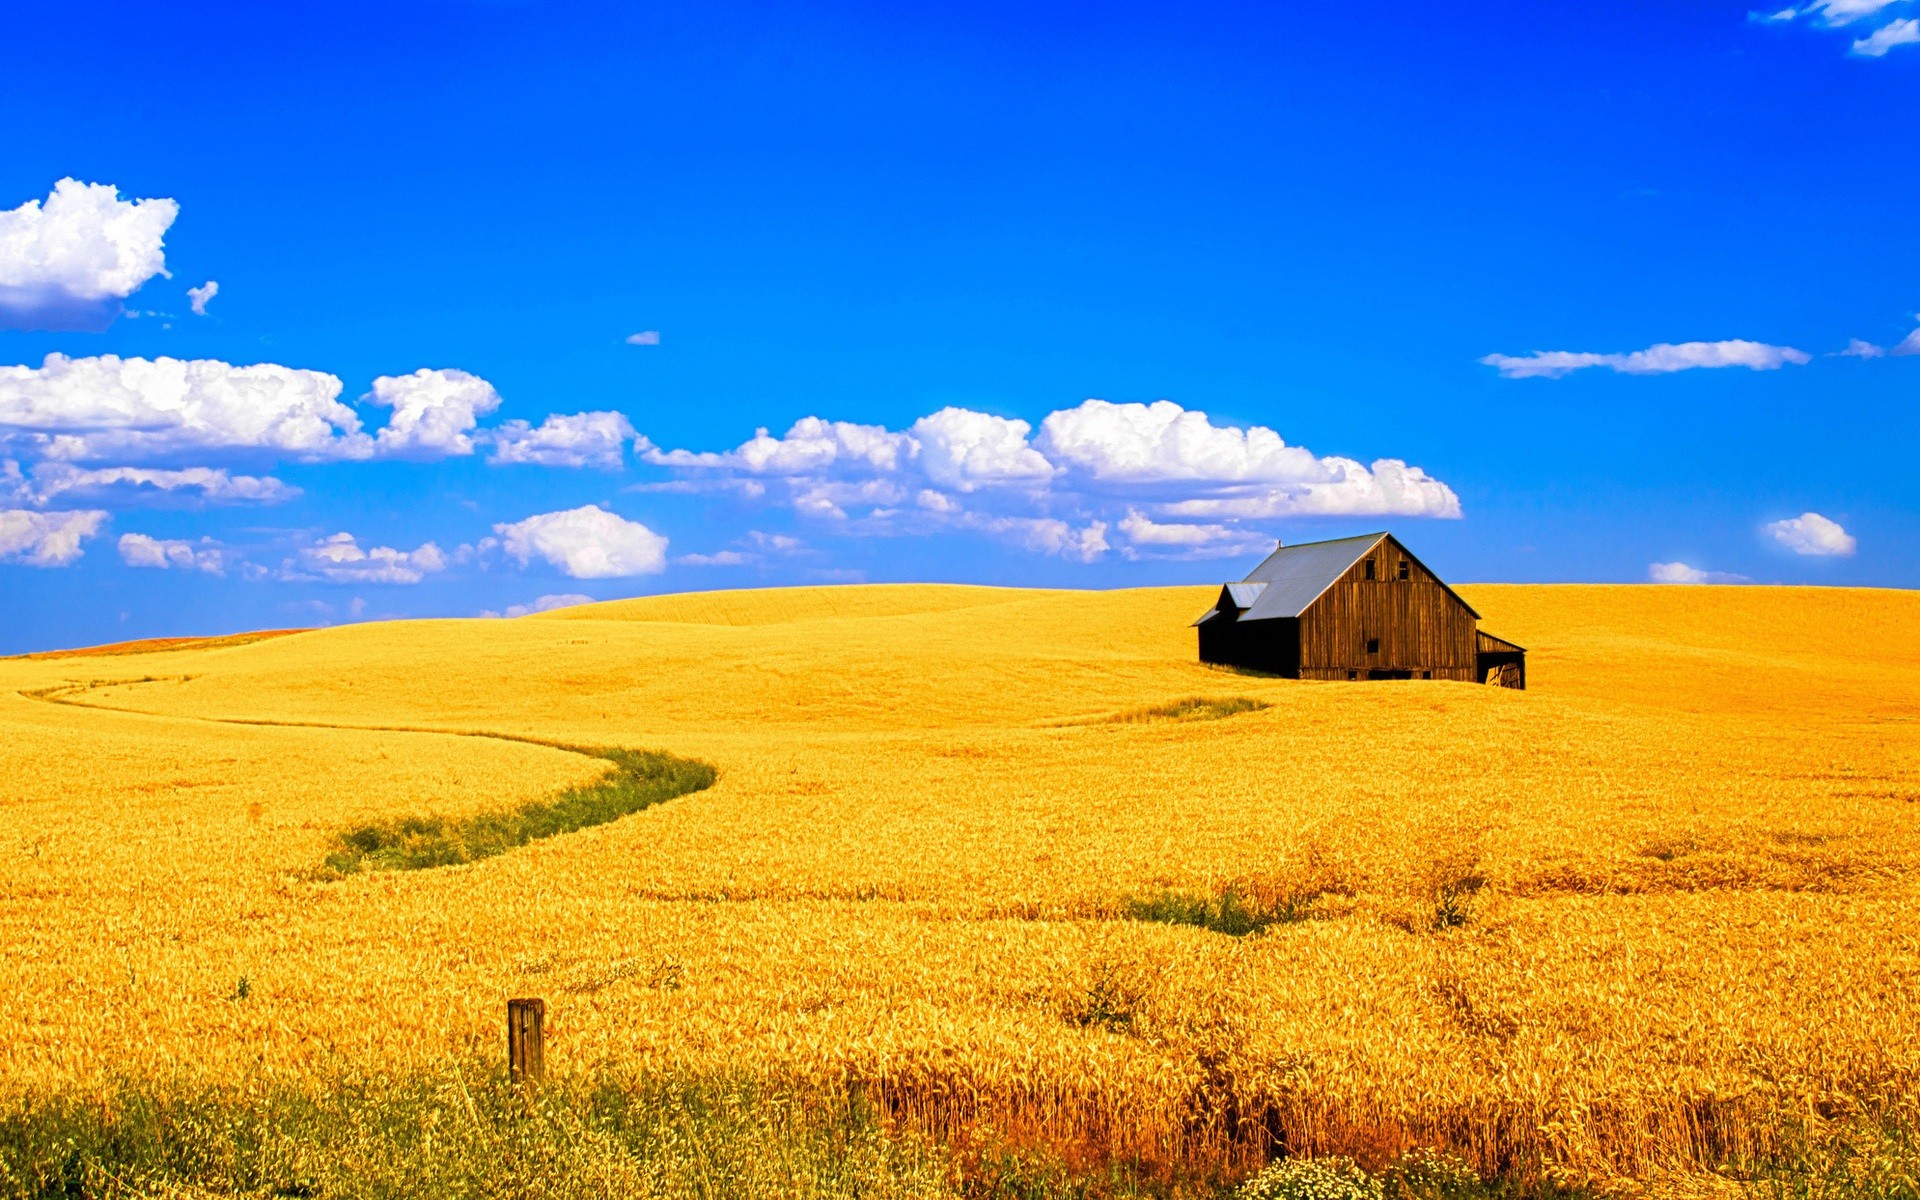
1354, 608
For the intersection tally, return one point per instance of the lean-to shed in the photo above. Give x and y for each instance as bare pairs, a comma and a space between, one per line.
1354, 608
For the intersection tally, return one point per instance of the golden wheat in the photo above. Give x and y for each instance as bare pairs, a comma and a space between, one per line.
1613, 923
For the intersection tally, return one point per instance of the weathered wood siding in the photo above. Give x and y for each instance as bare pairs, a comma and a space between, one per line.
1418, 624
1502, 663
1490, 644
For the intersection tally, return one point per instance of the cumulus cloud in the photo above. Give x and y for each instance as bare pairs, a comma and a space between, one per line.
812, 446
1660, 359
1859, 348
830, 499
1349, 489
207, 555
199, 296
1165, 444
646, 337
434, 412
586, 543
1150, 538
87, 409
66, 263
1135, 443
1812, 534
91, 408
588, 439
341, 559
965, 450
1907, 346
46, 539
1904, 32
1679, 572
210, 484
1088, 469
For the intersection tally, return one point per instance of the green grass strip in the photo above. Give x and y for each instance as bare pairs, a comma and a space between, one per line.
639, 779
1194, 708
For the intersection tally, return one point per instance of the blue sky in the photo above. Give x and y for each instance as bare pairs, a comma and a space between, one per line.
1057, 295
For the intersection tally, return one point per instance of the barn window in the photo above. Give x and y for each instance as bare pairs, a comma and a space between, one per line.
1369, 568
1403, 568
1353, 674
1426, 674
1373, 645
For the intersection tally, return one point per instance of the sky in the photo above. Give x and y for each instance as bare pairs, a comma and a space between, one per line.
313, 314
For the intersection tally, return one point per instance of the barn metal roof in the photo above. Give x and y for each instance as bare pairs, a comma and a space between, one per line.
1293, 577
1243, 595
1296, 575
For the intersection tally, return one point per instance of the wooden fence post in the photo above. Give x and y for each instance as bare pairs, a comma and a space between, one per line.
526, 1041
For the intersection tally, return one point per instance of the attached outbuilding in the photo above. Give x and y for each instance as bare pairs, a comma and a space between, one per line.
1354, 608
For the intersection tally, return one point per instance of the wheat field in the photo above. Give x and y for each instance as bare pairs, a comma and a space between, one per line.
1611, 929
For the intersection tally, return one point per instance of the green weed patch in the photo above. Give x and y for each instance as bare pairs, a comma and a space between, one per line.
639, 780
1194, 708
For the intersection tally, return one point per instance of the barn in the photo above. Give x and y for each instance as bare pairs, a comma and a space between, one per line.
1353, 608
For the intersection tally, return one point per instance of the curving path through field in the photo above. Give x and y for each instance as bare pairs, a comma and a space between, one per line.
639, 779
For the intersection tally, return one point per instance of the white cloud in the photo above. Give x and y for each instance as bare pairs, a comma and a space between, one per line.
962, 469
1163, 443
1907, 346
831, 498
340, 559
1833, 12
963, 449
1812, 534
586, 543
46, 539
543, 604
1904, 32
91, 408
1181, 540
588, 439
1857, 348
1660, 359
214, 485
139, 550
1679, 572
1138, 443
812, 446
66, 263
1390, 488
646, 337
754, 546
199, 296
772, 543
1046, 535
434, 411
